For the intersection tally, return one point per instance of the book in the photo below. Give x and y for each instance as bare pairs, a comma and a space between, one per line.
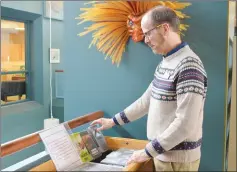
98, 138
81, 148
90, 144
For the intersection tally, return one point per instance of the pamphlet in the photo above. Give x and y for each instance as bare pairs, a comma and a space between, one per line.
60, 148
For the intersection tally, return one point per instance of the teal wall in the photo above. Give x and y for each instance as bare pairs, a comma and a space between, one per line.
208, 37
26, 118
92, 84
28, 6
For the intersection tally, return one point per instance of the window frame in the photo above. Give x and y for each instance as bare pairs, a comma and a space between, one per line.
27, 62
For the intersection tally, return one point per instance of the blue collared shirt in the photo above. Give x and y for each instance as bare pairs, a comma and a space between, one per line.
176, 49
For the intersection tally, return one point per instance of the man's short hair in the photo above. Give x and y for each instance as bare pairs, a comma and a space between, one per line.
163, 14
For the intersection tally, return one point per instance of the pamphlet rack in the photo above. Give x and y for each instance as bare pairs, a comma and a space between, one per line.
113, 143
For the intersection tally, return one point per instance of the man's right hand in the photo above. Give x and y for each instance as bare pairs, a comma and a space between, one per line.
105, 123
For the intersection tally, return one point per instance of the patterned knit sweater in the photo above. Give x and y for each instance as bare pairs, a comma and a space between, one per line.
174, 102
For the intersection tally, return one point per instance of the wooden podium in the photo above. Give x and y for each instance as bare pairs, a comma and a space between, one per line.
114, 143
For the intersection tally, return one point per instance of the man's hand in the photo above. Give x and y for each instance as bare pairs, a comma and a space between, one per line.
138, 156
104, 122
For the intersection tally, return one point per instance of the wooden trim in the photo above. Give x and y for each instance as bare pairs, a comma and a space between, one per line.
232, 134
115, 143
59, 70
85, 119
32, 139
46, 166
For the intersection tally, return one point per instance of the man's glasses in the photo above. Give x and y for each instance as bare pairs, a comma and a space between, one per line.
147, 34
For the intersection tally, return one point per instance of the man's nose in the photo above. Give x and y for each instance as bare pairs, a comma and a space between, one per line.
146, 40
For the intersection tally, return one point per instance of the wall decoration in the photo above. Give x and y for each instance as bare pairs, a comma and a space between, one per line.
114, 22
56, 9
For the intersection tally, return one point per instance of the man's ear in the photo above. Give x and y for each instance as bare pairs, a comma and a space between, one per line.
166, 28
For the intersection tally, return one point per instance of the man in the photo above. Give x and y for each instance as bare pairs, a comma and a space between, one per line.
174, 100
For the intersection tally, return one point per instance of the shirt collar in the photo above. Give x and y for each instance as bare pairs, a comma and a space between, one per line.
183, 44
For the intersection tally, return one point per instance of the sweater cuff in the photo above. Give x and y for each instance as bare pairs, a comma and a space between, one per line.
115, 121
154, 148
120, 118
148, 154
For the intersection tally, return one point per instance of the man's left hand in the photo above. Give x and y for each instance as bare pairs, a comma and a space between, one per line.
138, 156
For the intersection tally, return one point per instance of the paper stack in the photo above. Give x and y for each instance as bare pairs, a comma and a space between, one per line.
119, 157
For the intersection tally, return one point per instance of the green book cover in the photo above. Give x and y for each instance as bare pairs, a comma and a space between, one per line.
84, 154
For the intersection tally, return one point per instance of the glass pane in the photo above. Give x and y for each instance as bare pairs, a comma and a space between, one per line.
13, 88
12, 46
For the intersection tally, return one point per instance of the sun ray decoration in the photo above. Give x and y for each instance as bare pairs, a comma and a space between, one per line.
114, 22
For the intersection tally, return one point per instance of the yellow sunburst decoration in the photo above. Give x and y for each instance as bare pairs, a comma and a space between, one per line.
115, 21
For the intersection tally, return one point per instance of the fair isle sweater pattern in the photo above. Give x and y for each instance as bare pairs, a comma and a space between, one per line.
185, 80
191, 78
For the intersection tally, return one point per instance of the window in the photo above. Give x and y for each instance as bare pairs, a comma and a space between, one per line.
14, 63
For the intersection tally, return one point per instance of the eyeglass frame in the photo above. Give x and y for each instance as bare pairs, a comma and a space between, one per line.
149, 31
